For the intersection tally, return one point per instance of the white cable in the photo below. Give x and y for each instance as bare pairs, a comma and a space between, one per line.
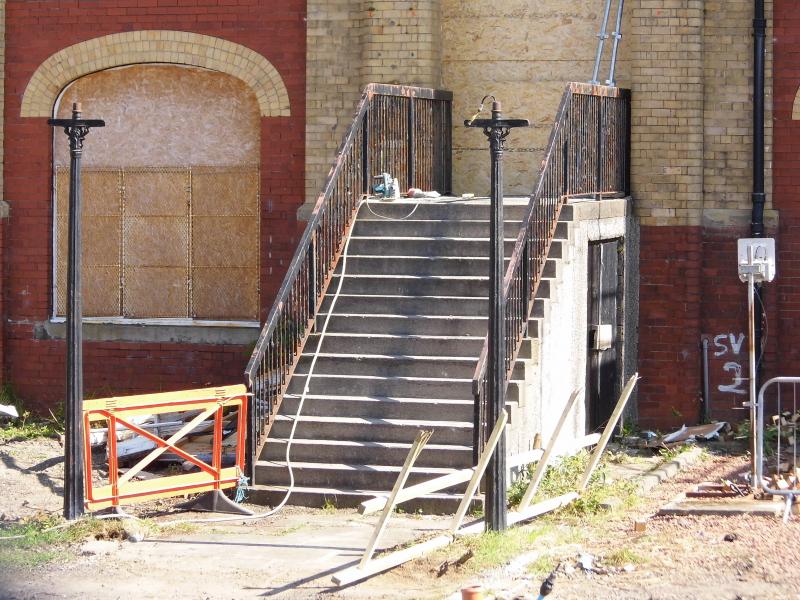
416, 206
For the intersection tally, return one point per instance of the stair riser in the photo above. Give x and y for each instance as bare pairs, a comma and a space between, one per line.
389, 246
445, 211
380, 409
375, 480
404, 286
431, 506
412, 228
400, 305
440, 458
453, 390
404, 326
370, 432
389, 367
386, 265
399, 345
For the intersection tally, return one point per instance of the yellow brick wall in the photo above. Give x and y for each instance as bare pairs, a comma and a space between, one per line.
688, 63
333, 84
524, 52
352, 43
691, 74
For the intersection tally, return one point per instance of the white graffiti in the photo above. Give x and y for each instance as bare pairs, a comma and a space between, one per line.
725, 343
736, 343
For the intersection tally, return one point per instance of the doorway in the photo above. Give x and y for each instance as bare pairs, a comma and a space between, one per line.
603, 339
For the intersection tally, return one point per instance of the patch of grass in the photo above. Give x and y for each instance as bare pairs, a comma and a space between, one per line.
563, 476
41, 544
622, 557
670, 454
27, 426
542, 566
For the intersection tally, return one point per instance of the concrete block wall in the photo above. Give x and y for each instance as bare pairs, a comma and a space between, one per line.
559, 364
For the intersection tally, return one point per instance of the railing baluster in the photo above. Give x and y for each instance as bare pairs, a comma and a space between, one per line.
583, 141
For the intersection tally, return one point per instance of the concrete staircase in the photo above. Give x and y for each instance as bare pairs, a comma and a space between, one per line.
399, 354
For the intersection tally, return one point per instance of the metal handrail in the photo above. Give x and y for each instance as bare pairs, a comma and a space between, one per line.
405, 131
587, 155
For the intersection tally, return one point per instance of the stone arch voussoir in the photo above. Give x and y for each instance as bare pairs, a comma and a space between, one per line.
136, 47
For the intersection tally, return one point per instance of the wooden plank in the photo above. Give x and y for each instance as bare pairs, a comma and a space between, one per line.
536, 479
415, 491
119, 402
416, 448
525, 458
480, 468
169, 442
608, 431
383, 563
540, 508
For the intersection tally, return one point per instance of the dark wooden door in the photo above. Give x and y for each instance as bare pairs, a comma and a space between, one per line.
602, 336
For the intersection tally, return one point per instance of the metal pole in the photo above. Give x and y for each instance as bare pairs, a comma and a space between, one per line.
751, 318
617, 35
76, 129
758, 201
602, 36
496, 129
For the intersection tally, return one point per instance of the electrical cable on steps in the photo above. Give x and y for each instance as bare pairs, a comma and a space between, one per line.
363, 201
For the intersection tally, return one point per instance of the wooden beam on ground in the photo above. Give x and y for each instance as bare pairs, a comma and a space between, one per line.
416, 448
415, 491
536, 479
608, 431
382, 563
480, 468
535, 510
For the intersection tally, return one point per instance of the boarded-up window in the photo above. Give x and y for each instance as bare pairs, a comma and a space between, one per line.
164, 242
162, 239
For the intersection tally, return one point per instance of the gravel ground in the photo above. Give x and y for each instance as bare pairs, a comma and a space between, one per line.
675, 557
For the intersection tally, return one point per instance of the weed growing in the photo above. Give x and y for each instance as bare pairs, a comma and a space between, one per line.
27, 426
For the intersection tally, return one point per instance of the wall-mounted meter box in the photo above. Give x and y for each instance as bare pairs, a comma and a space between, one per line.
756, 258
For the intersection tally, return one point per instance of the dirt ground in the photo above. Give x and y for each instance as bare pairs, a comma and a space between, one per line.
294, 553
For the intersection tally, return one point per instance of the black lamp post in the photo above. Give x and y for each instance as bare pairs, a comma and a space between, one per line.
497, 130
76, 129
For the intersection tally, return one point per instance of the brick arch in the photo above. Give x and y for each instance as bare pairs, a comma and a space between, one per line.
175, 47
796, 107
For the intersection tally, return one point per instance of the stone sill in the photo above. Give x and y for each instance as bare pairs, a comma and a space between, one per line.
171, 331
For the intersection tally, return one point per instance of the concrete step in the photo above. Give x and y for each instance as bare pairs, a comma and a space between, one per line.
437, 228
476, 266
414, 345
367, 453
411, 285
409, 387
407, 305
392, 324
380, 407
445, 210
387, 365
346, 497
333, 475
424, 246
392, 386
373, 430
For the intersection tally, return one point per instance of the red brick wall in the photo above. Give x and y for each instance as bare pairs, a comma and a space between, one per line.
669, 325
36, 30
786, 186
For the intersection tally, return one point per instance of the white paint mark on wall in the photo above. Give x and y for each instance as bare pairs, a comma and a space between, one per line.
731, 343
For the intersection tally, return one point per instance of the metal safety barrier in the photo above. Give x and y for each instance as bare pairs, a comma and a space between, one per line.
781, 393
209, 406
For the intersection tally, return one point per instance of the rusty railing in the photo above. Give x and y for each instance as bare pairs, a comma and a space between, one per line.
405, 131
587, 156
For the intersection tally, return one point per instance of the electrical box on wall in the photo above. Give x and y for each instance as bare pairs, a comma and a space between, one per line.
602, 336
756, 257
